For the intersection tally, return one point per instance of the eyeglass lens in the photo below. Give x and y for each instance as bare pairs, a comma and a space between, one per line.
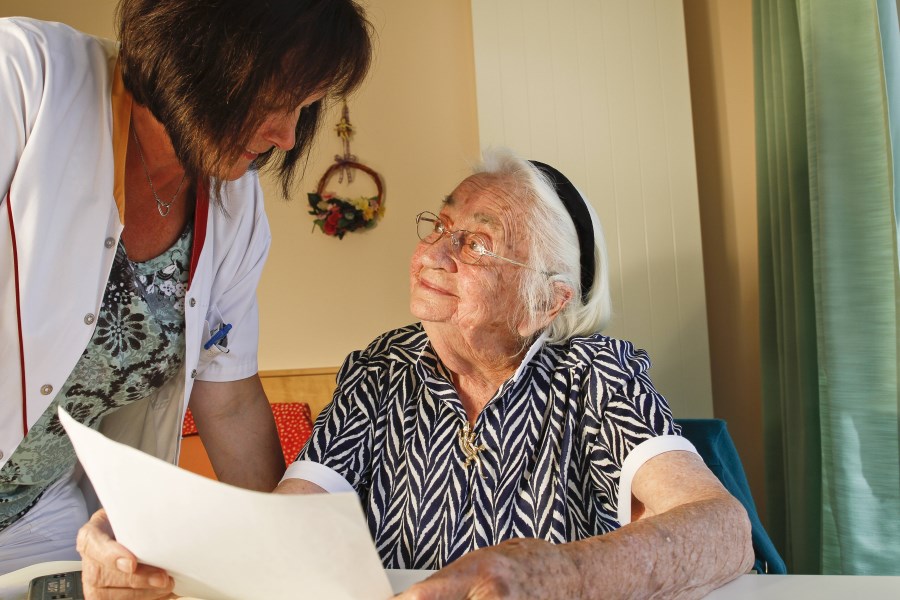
430, 228
467, 247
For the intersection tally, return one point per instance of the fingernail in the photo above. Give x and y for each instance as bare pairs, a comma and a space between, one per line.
159, 580
124, 565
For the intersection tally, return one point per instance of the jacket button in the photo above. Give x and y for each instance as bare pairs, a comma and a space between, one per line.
89, 319
193, 302
194, 374
1, 453
109, 242
46, 389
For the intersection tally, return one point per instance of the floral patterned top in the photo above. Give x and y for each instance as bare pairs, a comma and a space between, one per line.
137, 346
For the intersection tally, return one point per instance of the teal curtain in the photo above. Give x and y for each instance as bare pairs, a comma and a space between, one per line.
828, 131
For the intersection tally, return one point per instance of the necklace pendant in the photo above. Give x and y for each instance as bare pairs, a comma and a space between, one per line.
469, 447
162, 207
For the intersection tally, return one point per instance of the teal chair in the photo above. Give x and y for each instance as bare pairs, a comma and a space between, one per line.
711, 438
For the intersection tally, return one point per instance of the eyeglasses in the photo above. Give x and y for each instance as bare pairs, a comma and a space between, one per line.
466, 246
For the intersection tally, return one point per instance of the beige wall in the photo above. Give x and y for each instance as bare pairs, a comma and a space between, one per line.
720, 54
91, 16
416, 125
416, 118
618, 123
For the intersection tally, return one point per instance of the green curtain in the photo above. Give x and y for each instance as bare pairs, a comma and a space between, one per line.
828, 129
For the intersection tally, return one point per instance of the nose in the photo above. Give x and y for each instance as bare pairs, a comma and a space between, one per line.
440, 254
281, 130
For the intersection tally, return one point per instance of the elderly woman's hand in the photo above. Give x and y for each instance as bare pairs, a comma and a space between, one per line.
519, 568
111, 572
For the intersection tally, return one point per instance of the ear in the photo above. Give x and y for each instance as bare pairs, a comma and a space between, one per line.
562, 294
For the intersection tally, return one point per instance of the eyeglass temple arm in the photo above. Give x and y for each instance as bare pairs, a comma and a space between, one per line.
487, 252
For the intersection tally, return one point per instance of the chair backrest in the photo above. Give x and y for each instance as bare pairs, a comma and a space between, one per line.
713, 442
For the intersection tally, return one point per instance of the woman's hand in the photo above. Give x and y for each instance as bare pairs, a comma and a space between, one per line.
111, 572
519, 568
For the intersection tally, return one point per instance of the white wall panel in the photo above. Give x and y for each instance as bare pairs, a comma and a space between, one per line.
599, 89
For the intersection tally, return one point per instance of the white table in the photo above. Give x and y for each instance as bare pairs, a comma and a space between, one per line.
14, 586
746, 587
819, 587
755, 587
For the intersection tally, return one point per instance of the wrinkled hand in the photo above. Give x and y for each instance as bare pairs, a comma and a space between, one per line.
111, 572
520, 568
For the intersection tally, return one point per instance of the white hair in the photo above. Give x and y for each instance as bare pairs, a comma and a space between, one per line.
552, 248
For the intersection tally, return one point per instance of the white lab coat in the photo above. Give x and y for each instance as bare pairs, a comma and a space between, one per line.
60, 223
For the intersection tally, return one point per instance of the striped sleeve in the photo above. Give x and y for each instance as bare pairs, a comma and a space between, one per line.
343, 433
629, 412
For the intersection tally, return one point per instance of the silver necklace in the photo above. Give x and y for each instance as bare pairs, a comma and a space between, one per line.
162, 207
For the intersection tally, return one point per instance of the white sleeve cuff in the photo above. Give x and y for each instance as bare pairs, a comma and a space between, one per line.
325, 477
635, 460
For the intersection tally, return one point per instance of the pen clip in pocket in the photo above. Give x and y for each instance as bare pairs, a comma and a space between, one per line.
216, 331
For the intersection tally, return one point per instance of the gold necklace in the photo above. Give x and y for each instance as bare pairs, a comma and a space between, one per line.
162, 207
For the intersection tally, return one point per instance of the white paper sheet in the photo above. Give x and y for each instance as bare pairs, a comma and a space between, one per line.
220, 542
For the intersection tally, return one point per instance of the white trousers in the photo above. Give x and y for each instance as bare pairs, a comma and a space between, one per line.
47, 532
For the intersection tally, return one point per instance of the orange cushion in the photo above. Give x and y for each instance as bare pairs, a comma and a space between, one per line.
293, 420
188, 427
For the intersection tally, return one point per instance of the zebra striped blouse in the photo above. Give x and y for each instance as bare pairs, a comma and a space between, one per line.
554, 441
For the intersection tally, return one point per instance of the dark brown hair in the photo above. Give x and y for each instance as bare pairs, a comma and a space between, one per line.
211, 71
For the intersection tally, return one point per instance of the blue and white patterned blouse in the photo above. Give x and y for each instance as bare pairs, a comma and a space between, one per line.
555, 440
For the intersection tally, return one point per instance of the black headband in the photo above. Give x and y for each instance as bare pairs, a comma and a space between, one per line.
581, 217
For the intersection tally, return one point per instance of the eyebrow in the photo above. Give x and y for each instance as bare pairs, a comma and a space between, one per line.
482, 218
489, 220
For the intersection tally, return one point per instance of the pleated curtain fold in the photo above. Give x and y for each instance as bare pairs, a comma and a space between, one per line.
827, 76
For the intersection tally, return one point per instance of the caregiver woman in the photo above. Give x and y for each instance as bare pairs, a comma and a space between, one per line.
133, 234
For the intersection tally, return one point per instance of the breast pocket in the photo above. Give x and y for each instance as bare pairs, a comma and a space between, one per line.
215, 339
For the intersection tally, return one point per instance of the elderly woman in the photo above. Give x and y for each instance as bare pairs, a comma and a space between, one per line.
504, 441
124, 294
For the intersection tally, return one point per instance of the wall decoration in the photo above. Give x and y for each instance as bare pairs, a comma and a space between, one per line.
336, 215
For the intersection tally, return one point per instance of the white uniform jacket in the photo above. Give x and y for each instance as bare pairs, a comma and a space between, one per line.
64, 125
